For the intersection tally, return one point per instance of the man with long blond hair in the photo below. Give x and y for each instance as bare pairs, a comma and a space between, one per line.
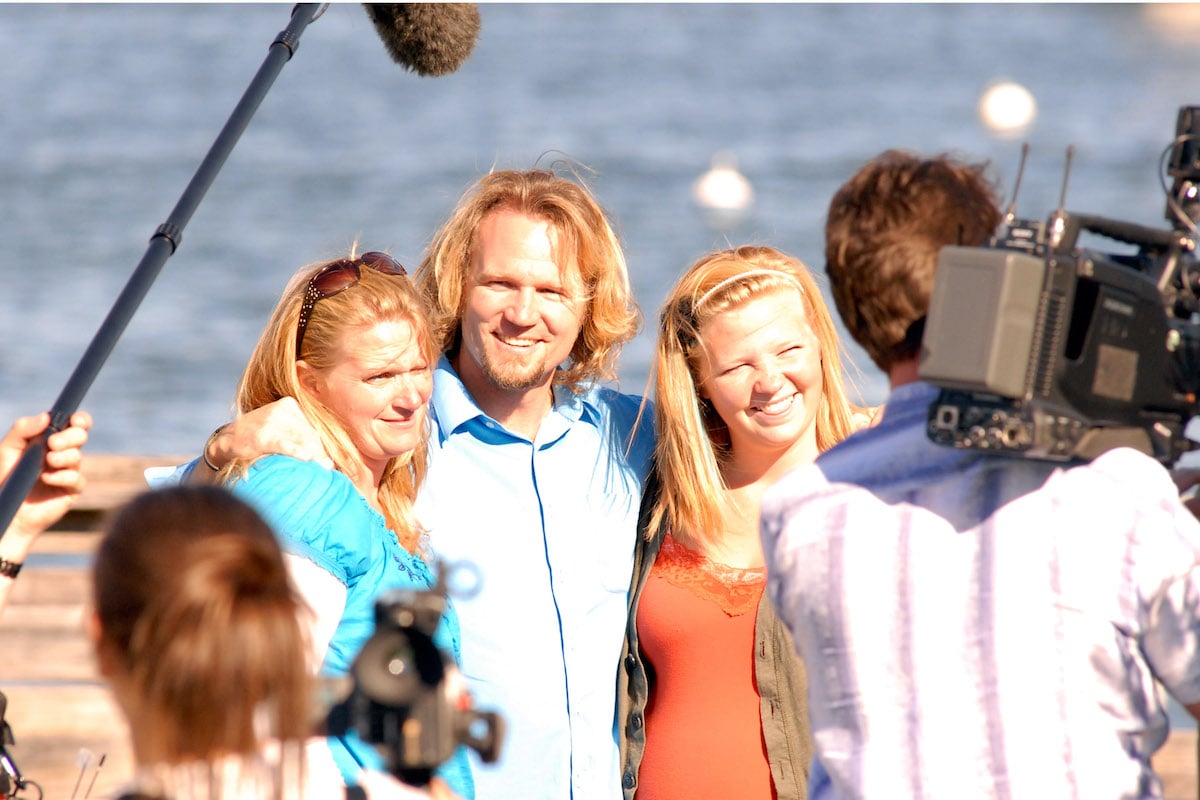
535, 471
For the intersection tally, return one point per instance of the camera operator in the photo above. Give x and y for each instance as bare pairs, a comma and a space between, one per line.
974, 625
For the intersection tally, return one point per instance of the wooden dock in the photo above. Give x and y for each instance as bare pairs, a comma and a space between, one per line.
63, 717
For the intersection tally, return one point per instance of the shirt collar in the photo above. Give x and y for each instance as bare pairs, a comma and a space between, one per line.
914, 393
453, 406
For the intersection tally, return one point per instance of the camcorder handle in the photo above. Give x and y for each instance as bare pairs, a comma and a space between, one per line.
487, 743
1128, 232
1156, 247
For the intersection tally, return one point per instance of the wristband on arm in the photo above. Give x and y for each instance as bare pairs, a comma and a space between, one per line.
212, 437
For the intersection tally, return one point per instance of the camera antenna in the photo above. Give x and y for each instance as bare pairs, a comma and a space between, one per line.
1020, 234
1059, 225
1010, 215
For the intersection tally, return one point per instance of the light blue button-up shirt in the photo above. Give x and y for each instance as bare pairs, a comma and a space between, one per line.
550, 527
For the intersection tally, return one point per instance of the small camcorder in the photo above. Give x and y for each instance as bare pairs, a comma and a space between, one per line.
404, 699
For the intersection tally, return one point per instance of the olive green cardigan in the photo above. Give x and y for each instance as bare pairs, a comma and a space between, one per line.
782, 684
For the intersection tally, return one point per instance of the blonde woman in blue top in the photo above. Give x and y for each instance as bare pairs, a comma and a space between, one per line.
350, 344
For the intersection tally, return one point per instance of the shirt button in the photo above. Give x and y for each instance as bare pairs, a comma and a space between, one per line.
637, 720
627, 780
630, 662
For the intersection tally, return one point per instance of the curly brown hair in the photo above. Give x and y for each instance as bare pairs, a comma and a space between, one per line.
882, 236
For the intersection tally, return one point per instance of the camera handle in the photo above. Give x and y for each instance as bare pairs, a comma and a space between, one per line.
1142, 236
1170, 244
485, 742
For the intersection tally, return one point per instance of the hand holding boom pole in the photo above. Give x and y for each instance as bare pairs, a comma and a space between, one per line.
162, 246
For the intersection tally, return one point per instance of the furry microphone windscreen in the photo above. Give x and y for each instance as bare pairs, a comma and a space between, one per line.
429, 39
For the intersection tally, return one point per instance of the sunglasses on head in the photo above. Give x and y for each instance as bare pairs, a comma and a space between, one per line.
336, 278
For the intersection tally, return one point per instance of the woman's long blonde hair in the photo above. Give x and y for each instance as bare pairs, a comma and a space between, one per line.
693, 440
271, 375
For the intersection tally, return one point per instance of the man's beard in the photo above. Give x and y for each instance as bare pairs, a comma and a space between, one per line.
514, 375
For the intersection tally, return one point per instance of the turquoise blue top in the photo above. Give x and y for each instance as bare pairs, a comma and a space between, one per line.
321, 516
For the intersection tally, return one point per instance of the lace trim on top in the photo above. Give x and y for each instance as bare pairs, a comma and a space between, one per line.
735, 589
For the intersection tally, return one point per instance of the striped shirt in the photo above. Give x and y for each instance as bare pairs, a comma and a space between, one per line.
981, 626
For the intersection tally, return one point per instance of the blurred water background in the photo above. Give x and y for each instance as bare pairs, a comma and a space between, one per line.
108, 110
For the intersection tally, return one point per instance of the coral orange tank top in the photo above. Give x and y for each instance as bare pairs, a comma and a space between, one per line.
703, 730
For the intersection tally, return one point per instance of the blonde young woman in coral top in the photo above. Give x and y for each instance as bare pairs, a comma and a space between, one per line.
748, 385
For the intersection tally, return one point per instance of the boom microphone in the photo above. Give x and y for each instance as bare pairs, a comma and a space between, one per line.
427, 38
163, 244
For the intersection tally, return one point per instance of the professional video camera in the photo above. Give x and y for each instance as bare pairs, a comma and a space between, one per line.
404, 698
1046, 350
